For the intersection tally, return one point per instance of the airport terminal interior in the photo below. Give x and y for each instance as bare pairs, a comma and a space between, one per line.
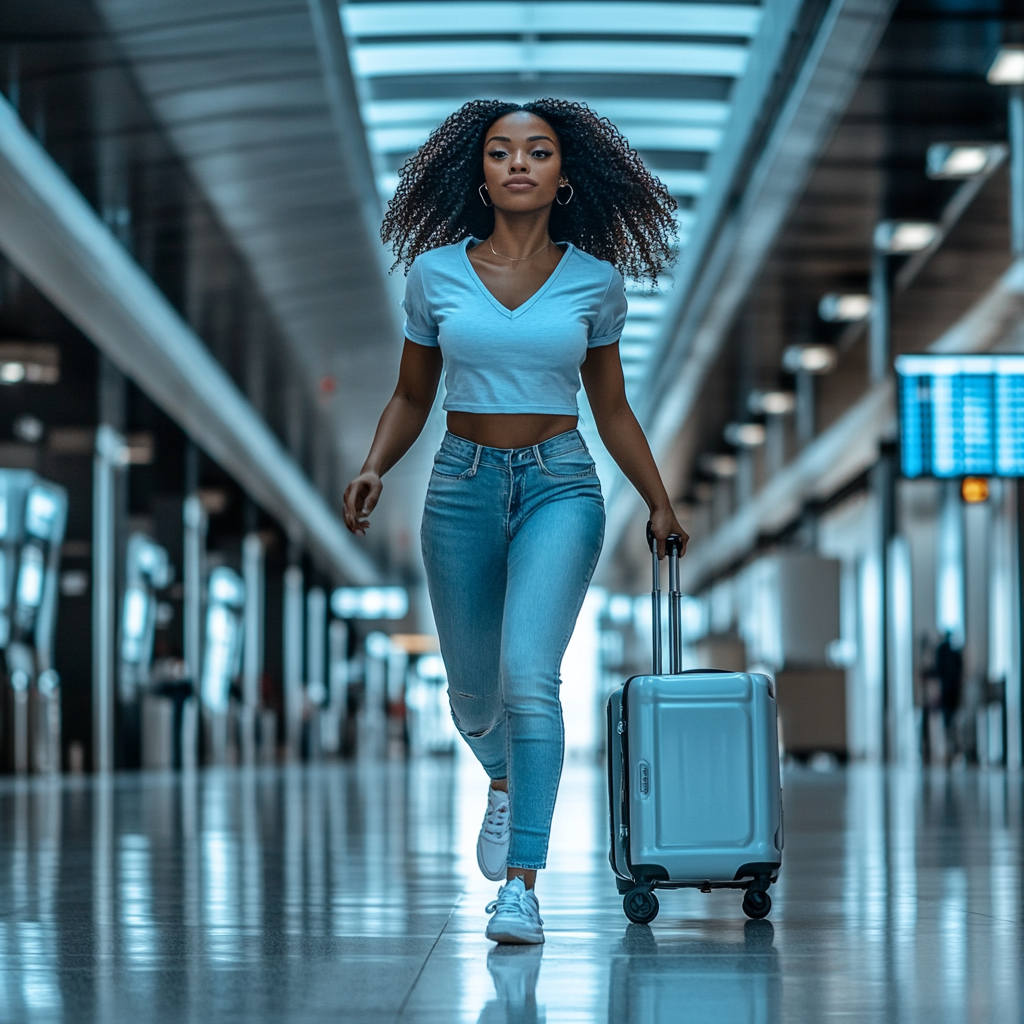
231, 788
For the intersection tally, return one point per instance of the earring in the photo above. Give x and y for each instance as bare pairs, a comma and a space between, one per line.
571, 194
483, 198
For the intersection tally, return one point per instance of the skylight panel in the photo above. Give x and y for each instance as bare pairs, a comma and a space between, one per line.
702, 112
401, 59
398, 140
641, 306
683, 183
462, 18
683, 137
381, 113
639, 330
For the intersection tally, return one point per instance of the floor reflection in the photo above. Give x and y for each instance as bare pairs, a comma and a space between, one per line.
350, 892
707, 980
514, 970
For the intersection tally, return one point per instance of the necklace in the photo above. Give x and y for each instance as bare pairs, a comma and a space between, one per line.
518, 259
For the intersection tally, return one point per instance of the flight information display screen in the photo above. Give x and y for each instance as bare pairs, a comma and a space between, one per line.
961, 415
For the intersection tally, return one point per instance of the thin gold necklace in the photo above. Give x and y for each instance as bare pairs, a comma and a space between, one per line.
518, 259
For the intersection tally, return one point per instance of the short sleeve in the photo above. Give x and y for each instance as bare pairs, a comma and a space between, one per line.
420, 325
612, 314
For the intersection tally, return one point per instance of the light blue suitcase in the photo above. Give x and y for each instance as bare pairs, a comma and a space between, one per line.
693, 776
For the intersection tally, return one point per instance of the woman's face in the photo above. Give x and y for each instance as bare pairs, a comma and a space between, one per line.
522, 162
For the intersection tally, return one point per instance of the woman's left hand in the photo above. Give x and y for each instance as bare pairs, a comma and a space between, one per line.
663, 524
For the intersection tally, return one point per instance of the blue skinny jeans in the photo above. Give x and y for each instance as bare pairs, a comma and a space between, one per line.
511, 537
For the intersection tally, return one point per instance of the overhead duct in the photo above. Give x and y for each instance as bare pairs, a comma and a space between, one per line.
53, 236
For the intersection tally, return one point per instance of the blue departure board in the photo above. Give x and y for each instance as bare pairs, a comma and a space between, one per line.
961, 415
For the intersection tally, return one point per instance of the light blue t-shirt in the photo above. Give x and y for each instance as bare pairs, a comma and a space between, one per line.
523, 360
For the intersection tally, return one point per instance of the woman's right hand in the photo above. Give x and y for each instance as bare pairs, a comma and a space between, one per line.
361, 497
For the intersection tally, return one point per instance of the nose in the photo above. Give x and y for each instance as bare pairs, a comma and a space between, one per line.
518, 164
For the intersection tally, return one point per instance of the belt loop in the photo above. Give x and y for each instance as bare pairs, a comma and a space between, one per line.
537, 456
476, 459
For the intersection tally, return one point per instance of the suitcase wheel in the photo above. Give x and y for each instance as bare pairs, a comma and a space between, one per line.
641, 905
756, 904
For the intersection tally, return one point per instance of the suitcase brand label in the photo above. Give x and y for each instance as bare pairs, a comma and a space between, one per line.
645, 779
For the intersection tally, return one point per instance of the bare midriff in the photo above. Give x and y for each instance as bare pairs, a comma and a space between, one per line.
508, 430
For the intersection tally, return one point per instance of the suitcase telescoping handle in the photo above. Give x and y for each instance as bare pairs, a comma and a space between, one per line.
673, 548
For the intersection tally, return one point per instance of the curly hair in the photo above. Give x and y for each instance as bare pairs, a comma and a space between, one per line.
621, 212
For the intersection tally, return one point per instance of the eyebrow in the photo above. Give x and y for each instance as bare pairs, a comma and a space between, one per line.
532, 138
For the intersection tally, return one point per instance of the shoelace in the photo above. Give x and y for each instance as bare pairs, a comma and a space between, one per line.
509, 895
496, 820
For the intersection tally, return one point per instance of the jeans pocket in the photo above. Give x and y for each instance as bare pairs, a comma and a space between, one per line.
452, 466
576, 464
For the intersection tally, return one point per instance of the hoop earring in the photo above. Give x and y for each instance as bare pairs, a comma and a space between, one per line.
571, 194
483, 198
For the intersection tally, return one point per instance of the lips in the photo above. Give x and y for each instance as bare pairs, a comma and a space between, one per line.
519, 184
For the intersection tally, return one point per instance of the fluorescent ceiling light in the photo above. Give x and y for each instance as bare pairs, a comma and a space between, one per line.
1008, 67
837, 308
904, 236
722, 466
771, 403
745, 435
963, 159
400, 59
598, 18
813, 359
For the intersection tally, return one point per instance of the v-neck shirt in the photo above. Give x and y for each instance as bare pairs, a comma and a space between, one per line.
522, 360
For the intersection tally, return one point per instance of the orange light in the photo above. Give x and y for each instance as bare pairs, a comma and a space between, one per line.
974, 490
415, 643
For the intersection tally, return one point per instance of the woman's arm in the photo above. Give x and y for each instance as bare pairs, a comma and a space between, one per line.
625, 441
400, 424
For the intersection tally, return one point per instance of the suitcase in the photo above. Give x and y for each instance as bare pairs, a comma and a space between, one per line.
693, 775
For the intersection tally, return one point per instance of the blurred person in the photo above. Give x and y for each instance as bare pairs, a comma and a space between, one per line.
515, 224
948, 670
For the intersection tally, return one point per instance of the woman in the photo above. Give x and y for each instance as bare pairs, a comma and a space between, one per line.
516, 221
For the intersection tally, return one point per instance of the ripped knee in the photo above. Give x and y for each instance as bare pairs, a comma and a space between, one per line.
476, 716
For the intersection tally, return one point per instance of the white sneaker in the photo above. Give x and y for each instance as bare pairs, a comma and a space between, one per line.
515, 916
495, 833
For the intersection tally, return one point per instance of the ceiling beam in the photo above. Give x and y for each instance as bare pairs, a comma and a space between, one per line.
729, 246
51, 234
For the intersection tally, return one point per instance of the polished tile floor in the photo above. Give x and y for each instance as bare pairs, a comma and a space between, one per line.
350, 893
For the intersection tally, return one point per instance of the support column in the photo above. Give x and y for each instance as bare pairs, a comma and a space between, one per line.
194, 579
252, 649
805, 411
879, 342
949, 564
109, 458
316, 667
1016, 131
883, 487
293, 693
902, 735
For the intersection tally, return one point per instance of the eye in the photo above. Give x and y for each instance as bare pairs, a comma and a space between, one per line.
541, 154
497, 154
